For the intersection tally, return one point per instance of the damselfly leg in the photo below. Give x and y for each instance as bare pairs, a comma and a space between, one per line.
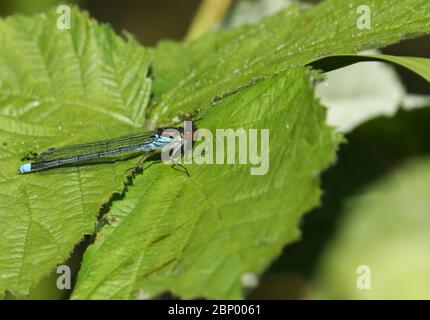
175, 164
184, 170
139, 164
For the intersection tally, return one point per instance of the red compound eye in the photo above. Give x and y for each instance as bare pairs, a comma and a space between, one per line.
170, 133
189, 135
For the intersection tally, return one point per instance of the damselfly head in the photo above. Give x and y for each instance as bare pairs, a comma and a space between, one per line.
177, 133
190, 134
172, 133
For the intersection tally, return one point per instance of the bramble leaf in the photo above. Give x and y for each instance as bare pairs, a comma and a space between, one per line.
60, 87
203, 235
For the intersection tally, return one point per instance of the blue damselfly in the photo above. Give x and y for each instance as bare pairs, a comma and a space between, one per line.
121, 148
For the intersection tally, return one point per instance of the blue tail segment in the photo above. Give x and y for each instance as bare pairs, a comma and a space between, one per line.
25, 168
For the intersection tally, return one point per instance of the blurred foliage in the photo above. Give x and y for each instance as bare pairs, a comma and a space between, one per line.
372, 89
149, 21
373, 150
29, 6
385, 229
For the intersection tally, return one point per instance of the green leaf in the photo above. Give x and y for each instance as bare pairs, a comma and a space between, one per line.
134, 258
59, 87
420, 66
385, 229
67, 86
190, 75
353, 94
200, 235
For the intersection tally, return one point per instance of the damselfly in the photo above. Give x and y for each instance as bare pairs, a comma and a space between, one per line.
121, 148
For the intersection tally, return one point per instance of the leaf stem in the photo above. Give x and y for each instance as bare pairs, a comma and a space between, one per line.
209, 14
